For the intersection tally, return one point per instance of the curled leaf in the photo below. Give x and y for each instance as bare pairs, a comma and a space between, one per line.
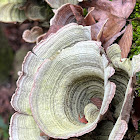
110, 41
117, 8
89, 20
97, 30
126, 41
116, 11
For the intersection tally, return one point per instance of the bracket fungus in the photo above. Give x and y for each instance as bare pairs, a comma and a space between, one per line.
56, 4
125, 70
10, 11
68, 76
32, 35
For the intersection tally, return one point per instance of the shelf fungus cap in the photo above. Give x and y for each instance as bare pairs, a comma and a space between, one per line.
32, 35
59, 78
23, 127
123, 99
56, 4
10, 11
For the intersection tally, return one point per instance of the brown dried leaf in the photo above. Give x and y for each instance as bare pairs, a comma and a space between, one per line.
126, 41
78, 13
113, 25
89, 20
83, 119
110, 41
115, 11
97, 30
119, 8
